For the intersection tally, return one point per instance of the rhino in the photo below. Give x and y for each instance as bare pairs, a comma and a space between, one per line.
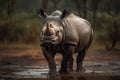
65, 33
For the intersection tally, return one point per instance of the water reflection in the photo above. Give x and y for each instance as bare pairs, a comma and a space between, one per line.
72, 78
38, 73
66, 77
90, 78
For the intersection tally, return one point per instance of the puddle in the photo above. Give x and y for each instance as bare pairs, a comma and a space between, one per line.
95, 71
32, 73
23, 72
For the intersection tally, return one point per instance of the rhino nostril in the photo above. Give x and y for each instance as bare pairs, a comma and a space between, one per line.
53, 40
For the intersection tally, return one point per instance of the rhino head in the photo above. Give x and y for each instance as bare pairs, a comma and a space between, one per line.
52, 31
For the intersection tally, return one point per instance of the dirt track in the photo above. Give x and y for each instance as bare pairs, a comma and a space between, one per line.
35, 57
28, 61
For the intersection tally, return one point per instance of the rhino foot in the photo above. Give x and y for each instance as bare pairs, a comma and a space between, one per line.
63, 72
81, 69
52, 72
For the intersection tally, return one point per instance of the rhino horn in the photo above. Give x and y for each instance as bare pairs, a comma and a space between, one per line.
48, 31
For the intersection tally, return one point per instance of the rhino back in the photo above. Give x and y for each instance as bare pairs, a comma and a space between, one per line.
77, 31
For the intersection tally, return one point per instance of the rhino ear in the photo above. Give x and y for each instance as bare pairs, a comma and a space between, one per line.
41, 13
65, 13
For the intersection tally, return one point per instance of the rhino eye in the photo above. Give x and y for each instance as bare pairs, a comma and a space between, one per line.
57, 32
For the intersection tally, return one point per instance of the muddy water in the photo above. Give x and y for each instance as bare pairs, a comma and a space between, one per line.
95, 71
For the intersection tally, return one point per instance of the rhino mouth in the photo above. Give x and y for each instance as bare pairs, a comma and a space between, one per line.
49, 39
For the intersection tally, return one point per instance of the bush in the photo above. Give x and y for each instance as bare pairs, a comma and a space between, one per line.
20, 28
6, 30
110, 30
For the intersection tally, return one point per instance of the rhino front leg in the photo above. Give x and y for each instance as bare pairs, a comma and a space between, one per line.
70, 64
67, 54
79, 61
50, 59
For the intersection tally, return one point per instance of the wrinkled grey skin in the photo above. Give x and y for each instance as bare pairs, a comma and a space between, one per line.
65, 33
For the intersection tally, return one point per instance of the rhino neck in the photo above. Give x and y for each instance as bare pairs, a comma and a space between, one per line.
54, 48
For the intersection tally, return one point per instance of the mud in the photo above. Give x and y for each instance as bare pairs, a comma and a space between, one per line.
94, 70
29, 64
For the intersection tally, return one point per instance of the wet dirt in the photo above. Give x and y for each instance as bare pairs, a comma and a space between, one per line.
29, 64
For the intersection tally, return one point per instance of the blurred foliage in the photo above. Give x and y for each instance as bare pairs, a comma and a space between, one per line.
109, 33
19, 22
20, 28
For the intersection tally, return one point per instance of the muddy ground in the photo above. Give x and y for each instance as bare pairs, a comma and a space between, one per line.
29, 64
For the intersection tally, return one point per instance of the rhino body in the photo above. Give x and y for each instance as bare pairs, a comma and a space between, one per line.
65, 33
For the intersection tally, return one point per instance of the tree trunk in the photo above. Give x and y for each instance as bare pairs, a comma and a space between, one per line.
84, 8
81, 7
78, 4
10, 7
44, 4
95, 8
55, 3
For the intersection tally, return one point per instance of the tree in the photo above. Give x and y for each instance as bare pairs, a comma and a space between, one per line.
111, 24
84, 8
10, 7
81, 7
55, 3
45, 4
110, 32
94, 5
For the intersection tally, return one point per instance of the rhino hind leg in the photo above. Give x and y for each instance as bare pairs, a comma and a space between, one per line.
79, 61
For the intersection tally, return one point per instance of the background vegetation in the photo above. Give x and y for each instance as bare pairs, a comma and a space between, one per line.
19, 23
